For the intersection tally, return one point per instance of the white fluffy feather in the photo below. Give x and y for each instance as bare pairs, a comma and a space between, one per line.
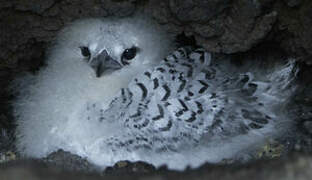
49, 106
48, 100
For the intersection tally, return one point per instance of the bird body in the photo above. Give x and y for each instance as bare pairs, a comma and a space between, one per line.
183, 110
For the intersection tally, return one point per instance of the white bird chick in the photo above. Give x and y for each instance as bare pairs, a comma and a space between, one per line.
91, 61
107, 95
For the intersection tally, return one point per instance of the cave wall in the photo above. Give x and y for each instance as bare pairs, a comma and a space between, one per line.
227, 26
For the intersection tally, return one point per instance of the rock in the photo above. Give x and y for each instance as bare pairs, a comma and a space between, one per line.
126, 167
6, 4
293, 3
308, 126
67, 161
242, 31
7, 156
118, 8
296, 166
220, 25
292, 30
207, 31
34, 6
6, 135
237, 26
197, 10
272, 149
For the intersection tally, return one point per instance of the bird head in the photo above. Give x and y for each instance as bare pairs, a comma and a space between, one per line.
108, 45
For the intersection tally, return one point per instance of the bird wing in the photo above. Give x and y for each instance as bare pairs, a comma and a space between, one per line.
187, 98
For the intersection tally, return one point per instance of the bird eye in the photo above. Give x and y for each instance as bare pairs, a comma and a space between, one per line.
129, 54
85, 51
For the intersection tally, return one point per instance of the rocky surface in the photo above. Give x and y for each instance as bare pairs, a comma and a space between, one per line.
293, 167
237, 26
126, 167
67, 161
26, 27
222, 25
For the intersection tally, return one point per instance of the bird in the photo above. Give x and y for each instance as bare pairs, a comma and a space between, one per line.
118, 89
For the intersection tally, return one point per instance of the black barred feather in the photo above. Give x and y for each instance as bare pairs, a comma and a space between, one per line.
201, 102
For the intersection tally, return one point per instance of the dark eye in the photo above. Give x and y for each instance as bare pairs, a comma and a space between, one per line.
85, 51
129, 54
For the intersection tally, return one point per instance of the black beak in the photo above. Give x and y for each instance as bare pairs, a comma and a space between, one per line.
103, 62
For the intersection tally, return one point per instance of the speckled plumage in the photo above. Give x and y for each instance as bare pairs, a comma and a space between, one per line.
189, 101
183, 110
